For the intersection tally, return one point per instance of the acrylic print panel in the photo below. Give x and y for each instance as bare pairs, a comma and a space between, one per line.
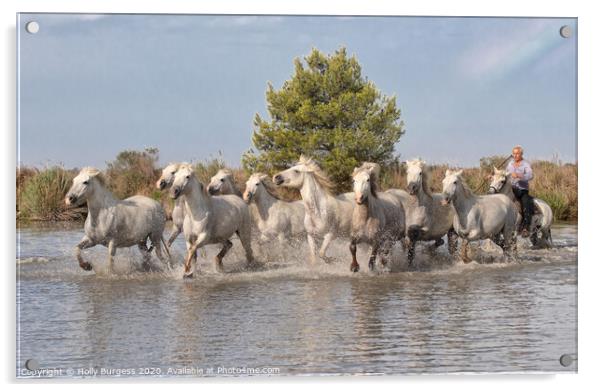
140, 256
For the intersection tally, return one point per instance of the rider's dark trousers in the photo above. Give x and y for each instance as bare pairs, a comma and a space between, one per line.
526, 203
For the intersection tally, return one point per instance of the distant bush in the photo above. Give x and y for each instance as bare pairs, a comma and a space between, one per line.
133, 172
43, 196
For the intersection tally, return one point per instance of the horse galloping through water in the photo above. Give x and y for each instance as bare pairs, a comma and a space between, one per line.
177, 215
378, 217
427, 219
210, 219
540, 222
273, 217
326, 215
115, 223
480, 217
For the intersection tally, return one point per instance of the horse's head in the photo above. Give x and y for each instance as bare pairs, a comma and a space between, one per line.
254, 183
415, 169
365, 181
292, 177
167, 176
451, 183
498, 180
181, 181
219, 182
83, 186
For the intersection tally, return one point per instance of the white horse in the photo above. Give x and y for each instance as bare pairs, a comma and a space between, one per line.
273, 217
177, 215
210, 220
378, 217
543, 216
222, 183
115, 223
426, 218
479, 217
326, 216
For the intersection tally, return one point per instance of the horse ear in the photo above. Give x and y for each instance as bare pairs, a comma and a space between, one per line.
460, 172
447, 172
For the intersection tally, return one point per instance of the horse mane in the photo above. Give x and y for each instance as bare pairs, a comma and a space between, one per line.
269, 186
94, 173
225, 172
467, 191
373, 170
318, 173
426, 174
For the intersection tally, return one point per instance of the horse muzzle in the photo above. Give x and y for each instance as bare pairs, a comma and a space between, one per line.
213, 190
247, 196
70, 200
161, 184
175, 193
446, 199
412, 189
361, 199
278, 179
491, 190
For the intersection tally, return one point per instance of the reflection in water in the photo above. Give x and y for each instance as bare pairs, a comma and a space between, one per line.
322, 320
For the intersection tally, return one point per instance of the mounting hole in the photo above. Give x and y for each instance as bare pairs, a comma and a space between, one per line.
32, 27
32, 364
566, 360
566, 31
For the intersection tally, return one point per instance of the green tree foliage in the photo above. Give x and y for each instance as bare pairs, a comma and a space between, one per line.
328, 111
132, 171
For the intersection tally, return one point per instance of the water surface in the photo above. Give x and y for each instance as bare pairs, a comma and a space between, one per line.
289, 318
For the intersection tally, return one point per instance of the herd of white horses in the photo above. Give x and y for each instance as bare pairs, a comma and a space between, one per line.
213, 213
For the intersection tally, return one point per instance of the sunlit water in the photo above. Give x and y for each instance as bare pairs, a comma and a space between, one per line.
286, 317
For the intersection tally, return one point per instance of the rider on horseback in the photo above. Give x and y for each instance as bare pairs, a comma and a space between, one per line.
522, 173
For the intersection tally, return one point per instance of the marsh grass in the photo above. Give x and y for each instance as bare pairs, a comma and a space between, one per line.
41, 192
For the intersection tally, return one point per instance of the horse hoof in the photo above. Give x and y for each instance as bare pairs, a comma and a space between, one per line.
86, 266
371, 266
188, 275
355, 268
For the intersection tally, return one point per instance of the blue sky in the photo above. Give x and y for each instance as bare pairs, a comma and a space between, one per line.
94, 85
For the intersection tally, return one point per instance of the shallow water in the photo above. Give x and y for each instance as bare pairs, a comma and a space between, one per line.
286, 317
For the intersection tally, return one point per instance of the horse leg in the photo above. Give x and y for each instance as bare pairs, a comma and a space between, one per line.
452, 241
112, 250
327, 239
355, 267
192, 248
145, 255
535, 236
464, 251
411, 252
373, 257
219, 267
312, 249
85, 243
245, 239
174, 233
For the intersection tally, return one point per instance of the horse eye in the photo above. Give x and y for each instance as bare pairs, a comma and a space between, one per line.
297, 171
455, 182
257, 184
172, 173
187, 177
221, 180
85, 182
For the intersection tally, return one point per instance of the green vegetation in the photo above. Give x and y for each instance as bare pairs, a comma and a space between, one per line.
41, 193
328, 111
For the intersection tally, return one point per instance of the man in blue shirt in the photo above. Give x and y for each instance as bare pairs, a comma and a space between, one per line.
522, 173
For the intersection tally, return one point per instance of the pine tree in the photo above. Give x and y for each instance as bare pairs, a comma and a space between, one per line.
328, 111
